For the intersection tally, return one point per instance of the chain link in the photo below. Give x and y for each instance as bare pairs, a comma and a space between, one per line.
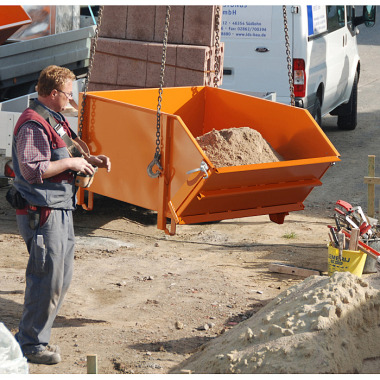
90, 65
217, 46
288, 56
157, 154
162, 74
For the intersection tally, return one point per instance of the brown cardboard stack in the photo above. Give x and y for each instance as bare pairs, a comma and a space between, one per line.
129, 47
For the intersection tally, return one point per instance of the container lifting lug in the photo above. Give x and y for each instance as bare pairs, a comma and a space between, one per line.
203, 168
155, 161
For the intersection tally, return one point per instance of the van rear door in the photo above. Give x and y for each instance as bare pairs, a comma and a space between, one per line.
254, 51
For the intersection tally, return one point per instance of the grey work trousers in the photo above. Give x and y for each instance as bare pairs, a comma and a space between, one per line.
48, 276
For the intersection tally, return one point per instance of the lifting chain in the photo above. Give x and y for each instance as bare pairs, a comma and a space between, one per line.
157, 154
90, 65
217, 46
288, 56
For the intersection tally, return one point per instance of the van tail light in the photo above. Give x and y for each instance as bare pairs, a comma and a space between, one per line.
8, 170
299, 77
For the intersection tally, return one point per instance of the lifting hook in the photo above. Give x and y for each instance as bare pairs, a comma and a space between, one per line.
155, 161
203, 168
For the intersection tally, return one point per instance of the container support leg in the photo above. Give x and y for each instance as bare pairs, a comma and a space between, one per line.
278, 218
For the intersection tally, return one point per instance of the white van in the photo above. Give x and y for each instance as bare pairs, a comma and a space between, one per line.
322, 61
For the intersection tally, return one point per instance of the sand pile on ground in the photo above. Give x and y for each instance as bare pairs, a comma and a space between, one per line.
237, 146
321, 325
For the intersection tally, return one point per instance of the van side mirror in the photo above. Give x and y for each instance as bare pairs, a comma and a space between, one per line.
368, 17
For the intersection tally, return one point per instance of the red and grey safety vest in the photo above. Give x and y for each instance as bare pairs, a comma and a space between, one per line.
54, 192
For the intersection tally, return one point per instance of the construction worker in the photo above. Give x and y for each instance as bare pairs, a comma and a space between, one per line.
45, 172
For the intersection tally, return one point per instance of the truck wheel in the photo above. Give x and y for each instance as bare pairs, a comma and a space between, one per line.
349, 120
317, 113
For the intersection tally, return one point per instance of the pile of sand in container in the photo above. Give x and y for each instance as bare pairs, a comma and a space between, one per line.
321, 325
237, 146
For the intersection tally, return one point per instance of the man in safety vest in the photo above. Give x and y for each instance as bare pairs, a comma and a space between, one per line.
47, 155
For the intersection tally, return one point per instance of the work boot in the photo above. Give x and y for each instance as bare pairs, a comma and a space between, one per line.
44, 357
53, 348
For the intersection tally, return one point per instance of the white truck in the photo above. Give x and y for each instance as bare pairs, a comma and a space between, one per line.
319, 58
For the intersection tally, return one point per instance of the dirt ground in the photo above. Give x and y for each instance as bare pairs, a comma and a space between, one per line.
142, 301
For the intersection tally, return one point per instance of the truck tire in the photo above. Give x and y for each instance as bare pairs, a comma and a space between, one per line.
349, 120
317, 113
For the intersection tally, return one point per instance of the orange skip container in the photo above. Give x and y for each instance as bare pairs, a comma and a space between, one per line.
122, 125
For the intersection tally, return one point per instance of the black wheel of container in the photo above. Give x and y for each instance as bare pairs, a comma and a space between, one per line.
349, 120
317, 112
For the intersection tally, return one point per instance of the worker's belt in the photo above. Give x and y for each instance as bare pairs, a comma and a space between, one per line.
38, 215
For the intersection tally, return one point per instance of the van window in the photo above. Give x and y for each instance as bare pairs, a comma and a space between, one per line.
335, 17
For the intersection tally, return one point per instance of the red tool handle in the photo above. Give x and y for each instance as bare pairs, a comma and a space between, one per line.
344, 204
339, 211
364, 228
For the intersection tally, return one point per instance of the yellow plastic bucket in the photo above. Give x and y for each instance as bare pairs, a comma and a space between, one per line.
352, 261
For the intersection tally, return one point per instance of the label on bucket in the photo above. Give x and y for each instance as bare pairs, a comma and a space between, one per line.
351, 261
336, 260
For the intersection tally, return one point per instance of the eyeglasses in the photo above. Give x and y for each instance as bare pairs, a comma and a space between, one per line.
69, 95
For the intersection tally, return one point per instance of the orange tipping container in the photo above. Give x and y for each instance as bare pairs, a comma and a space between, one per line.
12, 18
122, 125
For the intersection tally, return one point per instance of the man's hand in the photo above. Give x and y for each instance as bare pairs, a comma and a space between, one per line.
76, 164
79, 164
100, 161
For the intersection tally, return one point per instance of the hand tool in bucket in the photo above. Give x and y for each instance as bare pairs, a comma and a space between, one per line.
362, 246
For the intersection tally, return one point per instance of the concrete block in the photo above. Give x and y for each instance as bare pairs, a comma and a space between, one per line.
131, 72
104, 87
154, 65
114, 22
198, 28
104, 69
133, 49
153, 75
108, 46
194, 57
175, 24
140, 23
187, 77
155, 53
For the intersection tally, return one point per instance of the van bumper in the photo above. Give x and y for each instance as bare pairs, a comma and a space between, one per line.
304, 103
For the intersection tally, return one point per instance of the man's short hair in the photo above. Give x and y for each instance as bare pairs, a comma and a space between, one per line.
53, 77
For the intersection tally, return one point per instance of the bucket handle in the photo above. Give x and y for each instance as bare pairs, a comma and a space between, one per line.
203, 168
